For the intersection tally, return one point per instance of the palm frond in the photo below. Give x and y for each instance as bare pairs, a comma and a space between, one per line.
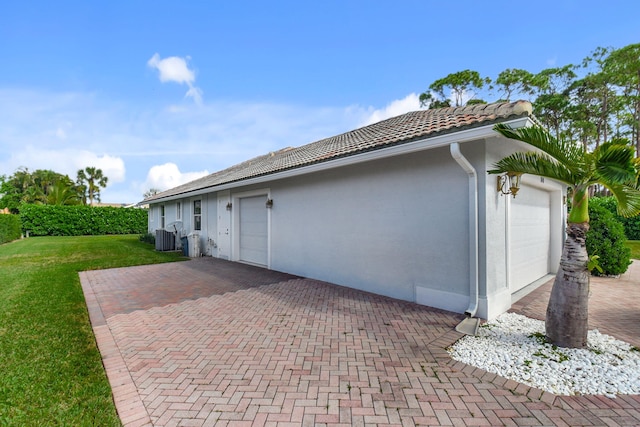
628, 199
615, 163
535, 163
568, 154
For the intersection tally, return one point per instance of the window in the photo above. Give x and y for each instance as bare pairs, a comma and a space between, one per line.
179, 210
162, 216
197, 214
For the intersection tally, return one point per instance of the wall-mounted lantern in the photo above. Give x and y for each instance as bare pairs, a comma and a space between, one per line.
509, 183
269, 203
229, 205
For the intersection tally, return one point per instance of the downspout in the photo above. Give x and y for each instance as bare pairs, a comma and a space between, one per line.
454, 148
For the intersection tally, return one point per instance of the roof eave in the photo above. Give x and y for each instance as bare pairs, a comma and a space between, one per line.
422, 144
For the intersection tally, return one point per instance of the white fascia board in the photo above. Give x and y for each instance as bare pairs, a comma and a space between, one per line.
396, 150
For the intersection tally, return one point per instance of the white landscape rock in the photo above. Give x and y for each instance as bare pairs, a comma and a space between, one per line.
513, 347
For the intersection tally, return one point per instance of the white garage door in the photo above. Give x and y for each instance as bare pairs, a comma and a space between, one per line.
253, 230
529, 237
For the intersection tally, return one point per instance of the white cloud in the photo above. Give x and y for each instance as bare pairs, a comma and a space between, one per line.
168, 175
175, 69
112, 167
410, 102
195, 93
172, 69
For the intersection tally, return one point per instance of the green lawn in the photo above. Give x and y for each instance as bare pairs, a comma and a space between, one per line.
635, 248
51, 372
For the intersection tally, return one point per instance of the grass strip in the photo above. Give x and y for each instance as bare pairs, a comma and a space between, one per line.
635, 248
51, 371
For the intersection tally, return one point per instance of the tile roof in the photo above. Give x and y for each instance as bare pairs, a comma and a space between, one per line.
396, 130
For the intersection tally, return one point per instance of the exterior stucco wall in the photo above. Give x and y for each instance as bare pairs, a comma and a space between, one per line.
209, 224
208, 219
152, 219
386, 226
208, 227
397, 226
496, 296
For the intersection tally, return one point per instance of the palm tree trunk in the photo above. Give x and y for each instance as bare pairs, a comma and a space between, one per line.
567, 312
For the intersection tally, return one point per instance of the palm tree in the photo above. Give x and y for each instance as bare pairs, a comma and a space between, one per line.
94, 179
612, 165
23, 179
33, 195
62, 193
45, 178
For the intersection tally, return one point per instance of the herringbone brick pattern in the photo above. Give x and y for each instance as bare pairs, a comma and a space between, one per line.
305, 353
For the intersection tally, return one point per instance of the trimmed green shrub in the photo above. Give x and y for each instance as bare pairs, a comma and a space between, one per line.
148, 238
631, 225
51, 220
606, 239
10, 228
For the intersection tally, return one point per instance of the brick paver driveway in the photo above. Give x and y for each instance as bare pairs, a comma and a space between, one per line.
281, 350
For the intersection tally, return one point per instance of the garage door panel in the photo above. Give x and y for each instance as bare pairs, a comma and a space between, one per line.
529, 237
254, 230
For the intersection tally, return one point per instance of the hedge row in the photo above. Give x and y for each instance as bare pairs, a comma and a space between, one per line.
10, 228
631, 225
51, 220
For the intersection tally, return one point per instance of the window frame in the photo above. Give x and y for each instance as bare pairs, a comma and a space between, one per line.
197, 215
162, 217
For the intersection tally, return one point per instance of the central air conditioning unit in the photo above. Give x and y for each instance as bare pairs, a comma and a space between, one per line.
165, 240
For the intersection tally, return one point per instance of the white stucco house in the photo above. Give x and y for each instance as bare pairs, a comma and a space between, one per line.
403, 207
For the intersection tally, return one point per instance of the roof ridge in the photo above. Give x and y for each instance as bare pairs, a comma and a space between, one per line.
497, 108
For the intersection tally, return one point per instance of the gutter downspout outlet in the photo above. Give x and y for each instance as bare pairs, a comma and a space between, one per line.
454, 148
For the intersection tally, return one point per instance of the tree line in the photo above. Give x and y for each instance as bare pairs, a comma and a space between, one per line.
592, 103
46, 187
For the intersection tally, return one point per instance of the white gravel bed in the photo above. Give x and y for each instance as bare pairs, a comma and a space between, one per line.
513, 347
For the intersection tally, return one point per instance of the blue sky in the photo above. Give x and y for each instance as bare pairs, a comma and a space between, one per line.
157, 93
